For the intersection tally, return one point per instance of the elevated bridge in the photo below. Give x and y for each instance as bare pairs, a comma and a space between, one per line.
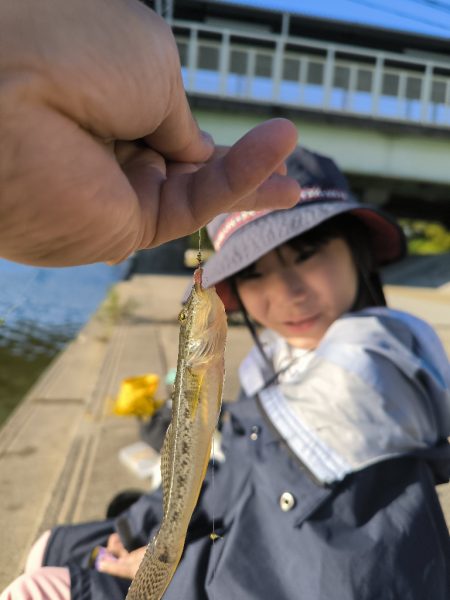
377, 101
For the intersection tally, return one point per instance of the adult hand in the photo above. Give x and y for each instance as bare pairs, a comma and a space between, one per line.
81, 82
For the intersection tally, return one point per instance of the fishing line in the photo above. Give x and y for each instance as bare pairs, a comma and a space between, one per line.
213, 535
199, 254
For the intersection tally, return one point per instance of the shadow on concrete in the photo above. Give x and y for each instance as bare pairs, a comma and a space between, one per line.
419, 271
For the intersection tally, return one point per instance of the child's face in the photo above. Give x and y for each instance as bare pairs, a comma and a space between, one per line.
298, 296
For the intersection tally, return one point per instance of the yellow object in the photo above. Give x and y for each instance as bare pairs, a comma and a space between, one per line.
137, 396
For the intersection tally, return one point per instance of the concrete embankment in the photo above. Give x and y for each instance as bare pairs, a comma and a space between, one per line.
59, 450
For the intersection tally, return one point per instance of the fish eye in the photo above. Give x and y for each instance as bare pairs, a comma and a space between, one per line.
182, 317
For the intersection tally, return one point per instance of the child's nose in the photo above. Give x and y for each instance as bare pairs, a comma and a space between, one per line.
290, 284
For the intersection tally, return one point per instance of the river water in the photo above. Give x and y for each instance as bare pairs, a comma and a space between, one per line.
41, 310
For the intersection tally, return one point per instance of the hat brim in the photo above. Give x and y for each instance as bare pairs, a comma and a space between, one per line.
248, 244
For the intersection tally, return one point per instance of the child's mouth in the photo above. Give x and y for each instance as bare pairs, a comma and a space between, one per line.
302, 324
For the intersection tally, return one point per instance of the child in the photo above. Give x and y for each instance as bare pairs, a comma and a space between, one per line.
332, 452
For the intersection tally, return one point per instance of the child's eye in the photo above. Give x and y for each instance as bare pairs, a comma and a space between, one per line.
305, 254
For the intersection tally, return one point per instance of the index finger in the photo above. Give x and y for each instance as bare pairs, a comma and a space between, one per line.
246, 177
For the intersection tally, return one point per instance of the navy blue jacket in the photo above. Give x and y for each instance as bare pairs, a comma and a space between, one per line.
377, 535
372, 410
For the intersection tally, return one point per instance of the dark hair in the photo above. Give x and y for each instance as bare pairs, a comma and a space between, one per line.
355, 233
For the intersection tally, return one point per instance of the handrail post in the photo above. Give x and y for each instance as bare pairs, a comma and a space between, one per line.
401, 96
351, 89
250, 72
377, 84
224, 62
277, 69
192, 58
426, 92
328, 77
447, 103
286, 18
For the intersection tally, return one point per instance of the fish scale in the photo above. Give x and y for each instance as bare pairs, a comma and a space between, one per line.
186, 451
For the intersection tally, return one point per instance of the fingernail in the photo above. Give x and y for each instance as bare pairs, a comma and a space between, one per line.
207, 137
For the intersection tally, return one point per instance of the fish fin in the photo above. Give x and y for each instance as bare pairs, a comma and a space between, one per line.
196, 378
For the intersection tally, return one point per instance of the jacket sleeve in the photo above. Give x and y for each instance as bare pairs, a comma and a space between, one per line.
372, 342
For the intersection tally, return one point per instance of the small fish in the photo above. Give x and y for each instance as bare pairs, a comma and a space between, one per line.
186, 451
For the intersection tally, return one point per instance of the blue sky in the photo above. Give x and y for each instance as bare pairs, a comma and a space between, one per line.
425, 17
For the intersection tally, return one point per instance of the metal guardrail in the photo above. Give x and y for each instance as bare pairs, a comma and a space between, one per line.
305, 73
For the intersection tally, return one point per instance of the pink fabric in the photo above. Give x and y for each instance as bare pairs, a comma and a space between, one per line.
35, 558
46, 583
38, 582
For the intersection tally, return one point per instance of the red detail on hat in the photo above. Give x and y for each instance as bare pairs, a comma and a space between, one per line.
386, 242
236, 220
233, 222
229, 300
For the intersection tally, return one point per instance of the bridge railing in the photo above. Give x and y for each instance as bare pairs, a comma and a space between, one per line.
305, 73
